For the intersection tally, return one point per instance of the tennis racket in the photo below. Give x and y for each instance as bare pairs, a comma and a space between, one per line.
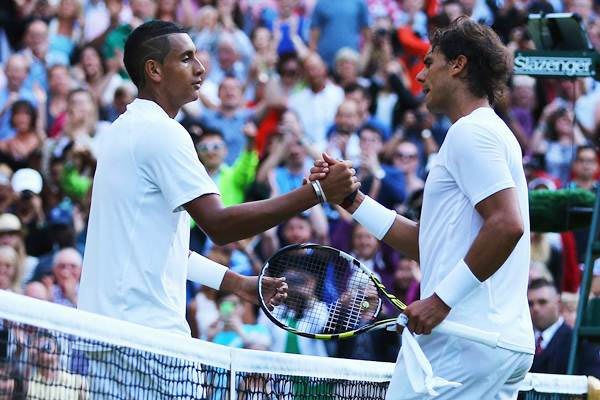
332, 295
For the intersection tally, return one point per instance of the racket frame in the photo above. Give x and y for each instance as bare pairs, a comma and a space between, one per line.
382, 291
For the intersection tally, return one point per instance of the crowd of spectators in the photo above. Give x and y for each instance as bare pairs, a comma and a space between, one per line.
285, 80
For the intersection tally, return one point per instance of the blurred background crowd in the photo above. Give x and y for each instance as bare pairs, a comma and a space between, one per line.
286, 80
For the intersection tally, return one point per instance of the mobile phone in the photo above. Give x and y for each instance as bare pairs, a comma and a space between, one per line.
226, 308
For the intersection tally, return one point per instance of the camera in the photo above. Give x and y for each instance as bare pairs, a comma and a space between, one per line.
26, 195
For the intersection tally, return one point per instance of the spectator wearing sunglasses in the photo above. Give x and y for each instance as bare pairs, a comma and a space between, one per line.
406, 159
235, 179
382, 181
48, 380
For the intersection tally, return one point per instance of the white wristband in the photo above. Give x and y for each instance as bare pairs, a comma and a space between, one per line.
457, 285
205, 271
375, 217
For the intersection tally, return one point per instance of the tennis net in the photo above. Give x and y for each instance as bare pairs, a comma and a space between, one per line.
53, 352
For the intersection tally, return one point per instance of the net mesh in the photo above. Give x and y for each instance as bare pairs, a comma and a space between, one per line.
53, 352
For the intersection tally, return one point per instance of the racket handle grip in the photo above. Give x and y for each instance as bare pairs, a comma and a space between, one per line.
466, 332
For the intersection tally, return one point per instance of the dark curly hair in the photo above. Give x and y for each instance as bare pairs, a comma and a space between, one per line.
26, 106
489, 63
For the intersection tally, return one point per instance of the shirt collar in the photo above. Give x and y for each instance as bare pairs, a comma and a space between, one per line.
146, 106
549, 332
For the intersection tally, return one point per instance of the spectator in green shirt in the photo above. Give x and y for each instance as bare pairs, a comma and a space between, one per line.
233, 180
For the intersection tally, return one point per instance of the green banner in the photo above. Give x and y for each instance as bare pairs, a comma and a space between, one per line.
562, 64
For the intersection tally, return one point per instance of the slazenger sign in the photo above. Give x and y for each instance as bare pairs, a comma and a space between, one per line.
544, 65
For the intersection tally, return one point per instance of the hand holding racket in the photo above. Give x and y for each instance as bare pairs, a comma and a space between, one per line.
332, 295
274, 291
426, 313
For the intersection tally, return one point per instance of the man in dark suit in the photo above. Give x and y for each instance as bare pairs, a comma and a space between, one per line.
553, 335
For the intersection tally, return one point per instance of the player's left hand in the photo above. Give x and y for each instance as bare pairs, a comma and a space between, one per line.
274, 290
424, 315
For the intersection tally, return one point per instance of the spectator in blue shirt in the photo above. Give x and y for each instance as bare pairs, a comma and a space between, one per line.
36, 42
336, 24
381, 181
229, 118
16, 70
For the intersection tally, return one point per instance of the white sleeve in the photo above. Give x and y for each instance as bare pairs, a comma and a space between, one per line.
169, 160
478, 161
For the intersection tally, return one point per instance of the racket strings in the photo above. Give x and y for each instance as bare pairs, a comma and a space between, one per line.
334, 315
364, 297
327, 292
355, 310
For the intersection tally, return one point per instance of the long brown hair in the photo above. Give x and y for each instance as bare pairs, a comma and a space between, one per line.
489, 63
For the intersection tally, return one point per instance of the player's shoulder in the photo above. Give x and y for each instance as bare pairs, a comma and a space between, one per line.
482, 124
149, 116
161, 128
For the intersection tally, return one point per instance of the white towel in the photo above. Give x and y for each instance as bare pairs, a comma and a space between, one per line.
417, 366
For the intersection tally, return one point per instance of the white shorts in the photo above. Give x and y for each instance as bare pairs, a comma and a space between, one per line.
485, 373
123, 373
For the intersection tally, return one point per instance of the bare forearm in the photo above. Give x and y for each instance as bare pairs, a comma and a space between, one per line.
403, 235
232, 282
248, 219
269, 164
491, 248
314, 39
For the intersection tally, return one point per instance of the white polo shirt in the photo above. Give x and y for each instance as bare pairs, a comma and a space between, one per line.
479, 157
317, 111
136, 255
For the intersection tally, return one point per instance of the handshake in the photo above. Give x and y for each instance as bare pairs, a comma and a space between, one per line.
334, 181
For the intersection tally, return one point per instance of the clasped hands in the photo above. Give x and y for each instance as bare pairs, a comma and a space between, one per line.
337, 177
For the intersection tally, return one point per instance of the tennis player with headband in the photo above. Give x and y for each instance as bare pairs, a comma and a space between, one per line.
148, 175
472, 240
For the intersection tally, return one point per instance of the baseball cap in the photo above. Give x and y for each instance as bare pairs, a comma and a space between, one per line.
27, 179
9, 223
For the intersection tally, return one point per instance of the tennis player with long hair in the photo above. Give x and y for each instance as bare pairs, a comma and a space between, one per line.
472, 240
148, 175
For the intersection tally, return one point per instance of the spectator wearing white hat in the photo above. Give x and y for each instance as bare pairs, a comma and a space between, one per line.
12, 235
27, 184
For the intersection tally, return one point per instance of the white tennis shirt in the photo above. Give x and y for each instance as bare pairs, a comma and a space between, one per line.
136, 254
479, 157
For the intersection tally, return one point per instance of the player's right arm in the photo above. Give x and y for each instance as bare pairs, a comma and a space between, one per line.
227, 224
403, 234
